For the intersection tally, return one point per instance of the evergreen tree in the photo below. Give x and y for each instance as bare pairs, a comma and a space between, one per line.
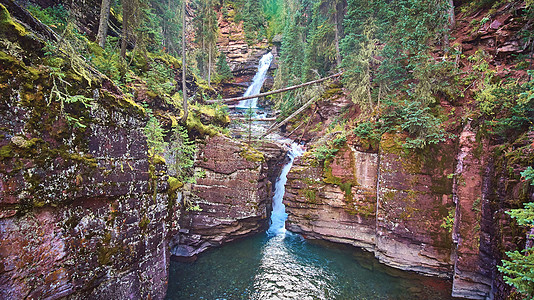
253, 21
222, 67
206, 29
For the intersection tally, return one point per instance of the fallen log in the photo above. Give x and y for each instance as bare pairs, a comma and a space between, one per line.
275, 91
298, 111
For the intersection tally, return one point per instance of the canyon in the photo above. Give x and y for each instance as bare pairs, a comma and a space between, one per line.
88, 212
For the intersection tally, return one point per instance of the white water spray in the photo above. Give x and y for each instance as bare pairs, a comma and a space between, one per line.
279, 215
257, 82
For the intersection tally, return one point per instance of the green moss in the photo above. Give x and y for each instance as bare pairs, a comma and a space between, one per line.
158, 159
8, 26
124, 102
194, 125
105, 251
174, 184
6, 152
310, 195
13, 67
23, 143
345, 186
388, 196
251, 154
331, 91
215, 116
95, 49
167, 59
143, 223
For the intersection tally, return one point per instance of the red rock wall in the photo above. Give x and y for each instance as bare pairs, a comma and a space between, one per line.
83, 231
439, 212
235, 195
78, 214
339, 203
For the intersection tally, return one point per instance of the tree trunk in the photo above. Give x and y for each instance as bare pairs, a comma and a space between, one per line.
103, 26
209, 67
336, 38
452, 19
275, 91
126, 19
184, 86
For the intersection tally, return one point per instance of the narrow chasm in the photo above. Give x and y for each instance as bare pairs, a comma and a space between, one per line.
273, 149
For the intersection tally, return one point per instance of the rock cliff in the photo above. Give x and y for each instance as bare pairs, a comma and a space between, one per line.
440, 211
234, 195
79, 215
387, 203
85, 212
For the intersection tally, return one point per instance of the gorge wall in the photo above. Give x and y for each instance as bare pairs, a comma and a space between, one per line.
438, 211
80, 214
386, 202
234, 195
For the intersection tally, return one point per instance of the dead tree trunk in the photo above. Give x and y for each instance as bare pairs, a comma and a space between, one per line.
184, 85
103, 26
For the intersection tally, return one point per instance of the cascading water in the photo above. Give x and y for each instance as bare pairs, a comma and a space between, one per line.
257, 82
279, 215
283, 265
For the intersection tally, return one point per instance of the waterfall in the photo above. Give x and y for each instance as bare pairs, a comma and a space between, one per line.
257, 82
279, 215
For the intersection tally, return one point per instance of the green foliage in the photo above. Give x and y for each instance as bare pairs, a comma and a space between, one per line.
168, 15
324, 152
206, 31
222, 67
253, 21
370, 131
54, 16
448, 221
155, 137
160, 78
509, 106
195, 208
72, 107
414, 118
274, 12
518, 269
107, 60
182, 154
423, 128
528, 175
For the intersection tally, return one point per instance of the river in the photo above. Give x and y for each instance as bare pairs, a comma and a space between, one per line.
279, 264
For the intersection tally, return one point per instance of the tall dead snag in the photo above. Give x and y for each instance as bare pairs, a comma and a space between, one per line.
184, 85
103, 26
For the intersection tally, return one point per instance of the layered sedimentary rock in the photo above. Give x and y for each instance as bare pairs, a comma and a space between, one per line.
81, 220
234, 194
384, 202
473, 222
439, 212
80, 213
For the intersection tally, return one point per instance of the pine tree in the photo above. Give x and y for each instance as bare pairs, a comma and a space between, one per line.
222, 67
206, 31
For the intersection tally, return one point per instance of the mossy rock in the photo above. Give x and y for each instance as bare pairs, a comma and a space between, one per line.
158, 160
251, 154
8, 27
124, 102
195, 126
174, 184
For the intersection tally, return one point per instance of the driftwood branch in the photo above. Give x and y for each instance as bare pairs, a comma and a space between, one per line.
298, 111
275, 91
